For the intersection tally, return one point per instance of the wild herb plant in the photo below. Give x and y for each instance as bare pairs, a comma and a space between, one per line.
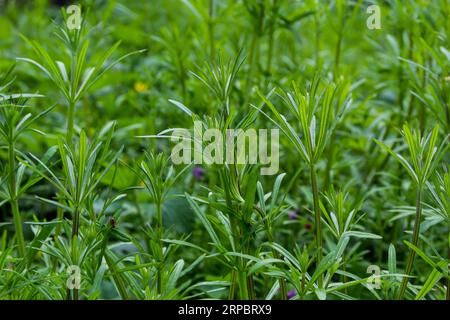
83, 167
425, 154
440, 192
14, 121
158, 176
328, 106
73, 77
74, 224
237, 187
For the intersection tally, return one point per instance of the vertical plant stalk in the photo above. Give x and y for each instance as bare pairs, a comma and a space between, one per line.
232, 285
238, 275
448, 267
317, 40
250, 282
14, 201
337, 54
282, 282
76, 212
344, 268
317, 218
254, 48
118, 280
59, 217
329, 166
212, 50
271, 38
75, 232
75, 222
251, 288
241, 274
159, 236
243, 284
303, 285
70, 122
415, 241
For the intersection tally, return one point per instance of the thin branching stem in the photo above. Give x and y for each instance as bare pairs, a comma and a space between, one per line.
317, 218
448, 267
70, 122
75, 232
212, 50
159, 233
415, 241
14, 201
282, 282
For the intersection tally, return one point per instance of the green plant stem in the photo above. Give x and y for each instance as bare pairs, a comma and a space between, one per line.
317, 40
232, 285
338, 54
318, 222
14, 201
415, 242
18, 226
253, 55
159, 235
448, 268
75, 222
241, 274
116, 275
250, 284
344, 277
70, 122
448, 279
329, 166
211, 30
283, 289
242, 279
59, 217
303, 285
75, 231
271, 38
251, 288
104, 253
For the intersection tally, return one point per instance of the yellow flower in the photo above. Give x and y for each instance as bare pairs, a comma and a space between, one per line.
140, 86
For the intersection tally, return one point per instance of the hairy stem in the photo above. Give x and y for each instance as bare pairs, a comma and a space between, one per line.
415, 241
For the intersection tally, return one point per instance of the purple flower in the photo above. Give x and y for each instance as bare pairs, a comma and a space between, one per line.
293, 214
198, 173
292, 293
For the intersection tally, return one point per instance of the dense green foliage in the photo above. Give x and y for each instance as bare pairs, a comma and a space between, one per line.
360, 206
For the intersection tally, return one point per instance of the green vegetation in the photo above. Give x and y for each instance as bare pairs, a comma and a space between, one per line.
93, 204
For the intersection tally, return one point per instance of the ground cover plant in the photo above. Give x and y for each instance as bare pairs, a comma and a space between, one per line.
250, 149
